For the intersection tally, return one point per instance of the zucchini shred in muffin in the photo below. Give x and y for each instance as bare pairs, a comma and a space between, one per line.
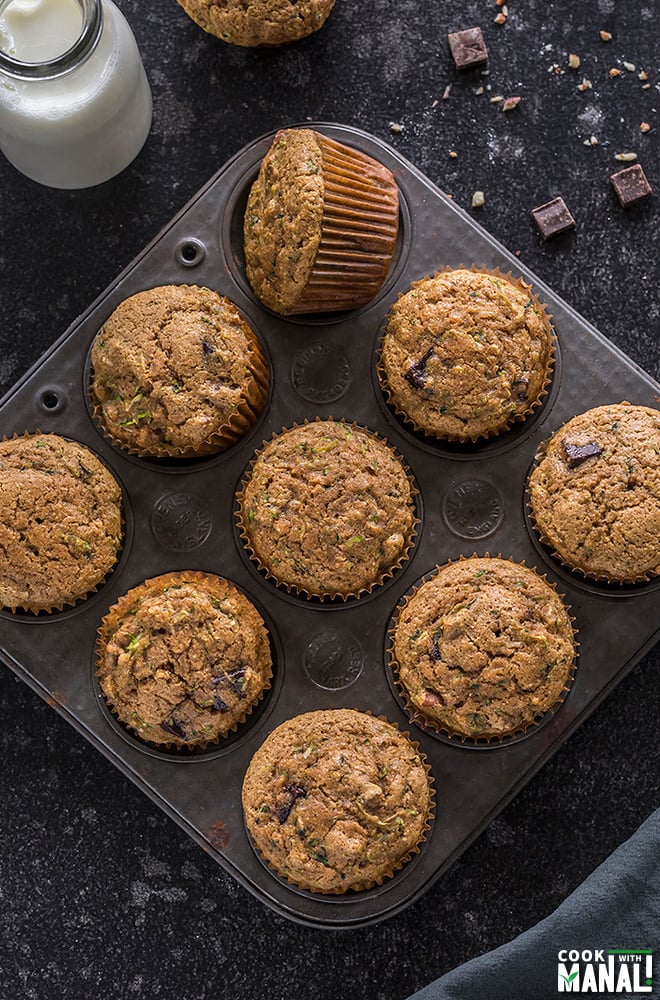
183, 658
482, 649
594, 495
320, 225
336, 800
177, 372
60, 522
465, 354
327, 509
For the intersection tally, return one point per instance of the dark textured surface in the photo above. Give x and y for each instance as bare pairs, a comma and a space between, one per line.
101, 894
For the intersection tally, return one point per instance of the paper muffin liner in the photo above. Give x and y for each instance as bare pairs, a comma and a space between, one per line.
602, 578
73, 601
431, 725
307, 593
399, 863
239, 423
510, 421
116, 616
358, 231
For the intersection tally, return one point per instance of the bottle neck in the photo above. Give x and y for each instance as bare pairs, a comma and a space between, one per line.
82, 48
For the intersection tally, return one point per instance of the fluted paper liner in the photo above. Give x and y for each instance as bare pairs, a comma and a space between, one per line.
358, 231
116, 616
400, 862
309, 593
432, 725
237, 425
511, 420
73, 600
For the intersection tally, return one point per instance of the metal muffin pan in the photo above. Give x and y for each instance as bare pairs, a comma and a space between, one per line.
180, 515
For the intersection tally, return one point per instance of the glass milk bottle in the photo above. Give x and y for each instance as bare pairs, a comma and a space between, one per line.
75, 104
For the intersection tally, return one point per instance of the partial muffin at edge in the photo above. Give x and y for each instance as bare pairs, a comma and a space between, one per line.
595, 493
259, 22
60, 522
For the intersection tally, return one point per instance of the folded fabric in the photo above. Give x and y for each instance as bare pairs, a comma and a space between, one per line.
599, 941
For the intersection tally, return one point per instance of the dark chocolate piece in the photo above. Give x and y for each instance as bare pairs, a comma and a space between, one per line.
522, 385
576, 454
434, 651
219, 705
416, 374
468, 48
175, 728
631, 185
293, 792
553, 218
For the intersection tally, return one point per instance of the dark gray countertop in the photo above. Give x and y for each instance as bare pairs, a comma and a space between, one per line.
101, 894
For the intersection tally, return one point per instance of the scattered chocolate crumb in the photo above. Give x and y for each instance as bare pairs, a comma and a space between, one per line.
631, 186
605, 36
573, 61
576, 454
553, 218
468, 48
478, 199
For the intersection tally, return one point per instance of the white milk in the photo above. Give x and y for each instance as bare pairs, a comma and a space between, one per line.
84, 125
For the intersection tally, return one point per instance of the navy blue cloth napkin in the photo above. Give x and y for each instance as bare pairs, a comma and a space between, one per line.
604, 936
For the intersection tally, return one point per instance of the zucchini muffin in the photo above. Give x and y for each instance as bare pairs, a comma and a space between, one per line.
177, 371
183, 658
336, 800
595, 493
465, 354
320, 225
259, 22
327, 509
483, 648
60, 522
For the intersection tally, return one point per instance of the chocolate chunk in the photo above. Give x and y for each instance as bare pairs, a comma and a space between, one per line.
553, 218
631, 185
468, 48
521, 384
434, 651
175, 728
207, 348
219, 705
576, 454
293, 792
416, 374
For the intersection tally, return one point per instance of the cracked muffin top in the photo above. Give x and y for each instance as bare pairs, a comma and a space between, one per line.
259, 22
595, 493
483, 648
465, 353
177, 371
328, 509
336, 800
183, 657
60, 522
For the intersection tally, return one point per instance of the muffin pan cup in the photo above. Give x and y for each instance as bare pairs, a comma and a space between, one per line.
179, 516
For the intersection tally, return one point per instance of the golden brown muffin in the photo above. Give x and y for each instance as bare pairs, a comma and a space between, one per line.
336, 800
466, 353
60, 522
327, 509
177, 371
320, 225
183, 658
483, 648
259, 22
595, 493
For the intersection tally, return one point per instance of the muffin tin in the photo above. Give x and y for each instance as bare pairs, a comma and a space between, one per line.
181, 515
